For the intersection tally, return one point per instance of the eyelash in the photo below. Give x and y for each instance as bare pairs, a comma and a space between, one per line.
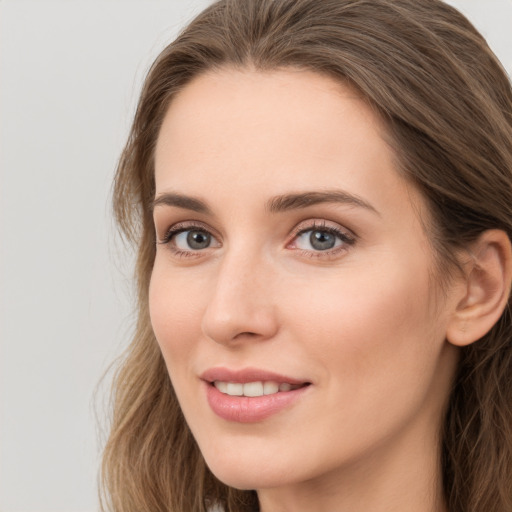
346, 238
182, 227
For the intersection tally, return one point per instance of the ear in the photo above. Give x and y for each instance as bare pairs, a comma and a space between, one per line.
488, 275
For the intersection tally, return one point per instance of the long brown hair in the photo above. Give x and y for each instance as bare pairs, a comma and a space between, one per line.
447, 104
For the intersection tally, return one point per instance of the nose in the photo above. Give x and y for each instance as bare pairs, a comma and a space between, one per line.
241, 306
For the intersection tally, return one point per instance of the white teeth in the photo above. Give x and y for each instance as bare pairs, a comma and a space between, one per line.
253, 389
221, 386
235, 389
269, 388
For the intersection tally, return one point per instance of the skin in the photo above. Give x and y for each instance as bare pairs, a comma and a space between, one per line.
363, 322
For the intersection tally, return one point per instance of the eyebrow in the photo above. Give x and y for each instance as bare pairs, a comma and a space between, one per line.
181, 201
278, 204
288, 202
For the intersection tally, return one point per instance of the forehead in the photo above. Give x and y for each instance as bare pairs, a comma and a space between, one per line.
225, 107
274, 131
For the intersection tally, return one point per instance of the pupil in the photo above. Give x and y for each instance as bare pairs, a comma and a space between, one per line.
198, 240
321, 240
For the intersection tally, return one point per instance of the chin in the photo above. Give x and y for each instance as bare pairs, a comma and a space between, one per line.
248, 475
247, 481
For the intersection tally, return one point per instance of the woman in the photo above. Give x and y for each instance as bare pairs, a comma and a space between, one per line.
321, 196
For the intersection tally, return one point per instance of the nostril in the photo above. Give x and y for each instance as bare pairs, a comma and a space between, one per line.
248, 334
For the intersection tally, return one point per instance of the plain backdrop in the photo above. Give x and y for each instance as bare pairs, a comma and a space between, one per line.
70, 73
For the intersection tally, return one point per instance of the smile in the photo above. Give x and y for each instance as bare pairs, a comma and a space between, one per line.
251, 395
254, 389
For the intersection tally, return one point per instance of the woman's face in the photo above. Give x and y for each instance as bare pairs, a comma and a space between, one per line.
292, 265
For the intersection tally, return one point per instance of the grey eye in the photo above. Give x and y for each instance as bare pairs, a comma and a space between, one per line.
318, 240
321, 240
194, 239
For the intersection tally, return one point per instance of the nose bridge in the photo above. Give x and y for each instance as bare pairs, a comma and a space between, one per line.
240, 305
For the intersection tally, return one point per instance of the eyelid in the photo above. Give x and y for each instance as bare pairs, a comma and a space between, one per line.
347, 237
322, 224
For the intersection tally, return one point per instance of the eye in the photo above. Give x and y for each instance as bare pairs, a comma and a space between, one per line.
189, 240
194, 239
318, 240
321, 239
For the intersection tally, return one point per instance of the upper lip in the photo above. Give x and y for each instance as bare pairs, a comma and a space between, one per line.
245, 375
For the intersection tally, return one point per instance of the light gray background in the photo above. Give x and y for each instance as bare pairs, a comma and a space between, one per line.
70, 75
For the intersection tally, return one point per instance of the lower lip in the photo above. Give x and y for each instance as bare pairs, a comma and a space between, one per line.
244, 409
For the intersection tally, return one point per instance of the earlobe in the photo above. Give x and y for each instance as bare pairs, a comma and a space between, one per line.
488, 276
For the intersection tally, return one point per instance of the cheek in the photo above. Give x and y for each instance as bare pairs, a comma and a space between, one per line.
174, 308
376, 350
368, 325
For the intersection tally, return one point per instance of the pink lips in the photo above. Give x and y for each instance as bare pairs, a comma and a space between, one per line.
244, 409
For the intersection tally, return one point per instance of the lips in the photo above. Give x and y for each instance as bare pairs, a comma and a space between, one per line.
250, 395
247, 375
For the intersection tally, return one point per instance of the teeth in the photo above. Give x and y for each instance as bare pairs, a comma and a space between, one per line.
269, 388
235, 389
253, 388
222, 386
